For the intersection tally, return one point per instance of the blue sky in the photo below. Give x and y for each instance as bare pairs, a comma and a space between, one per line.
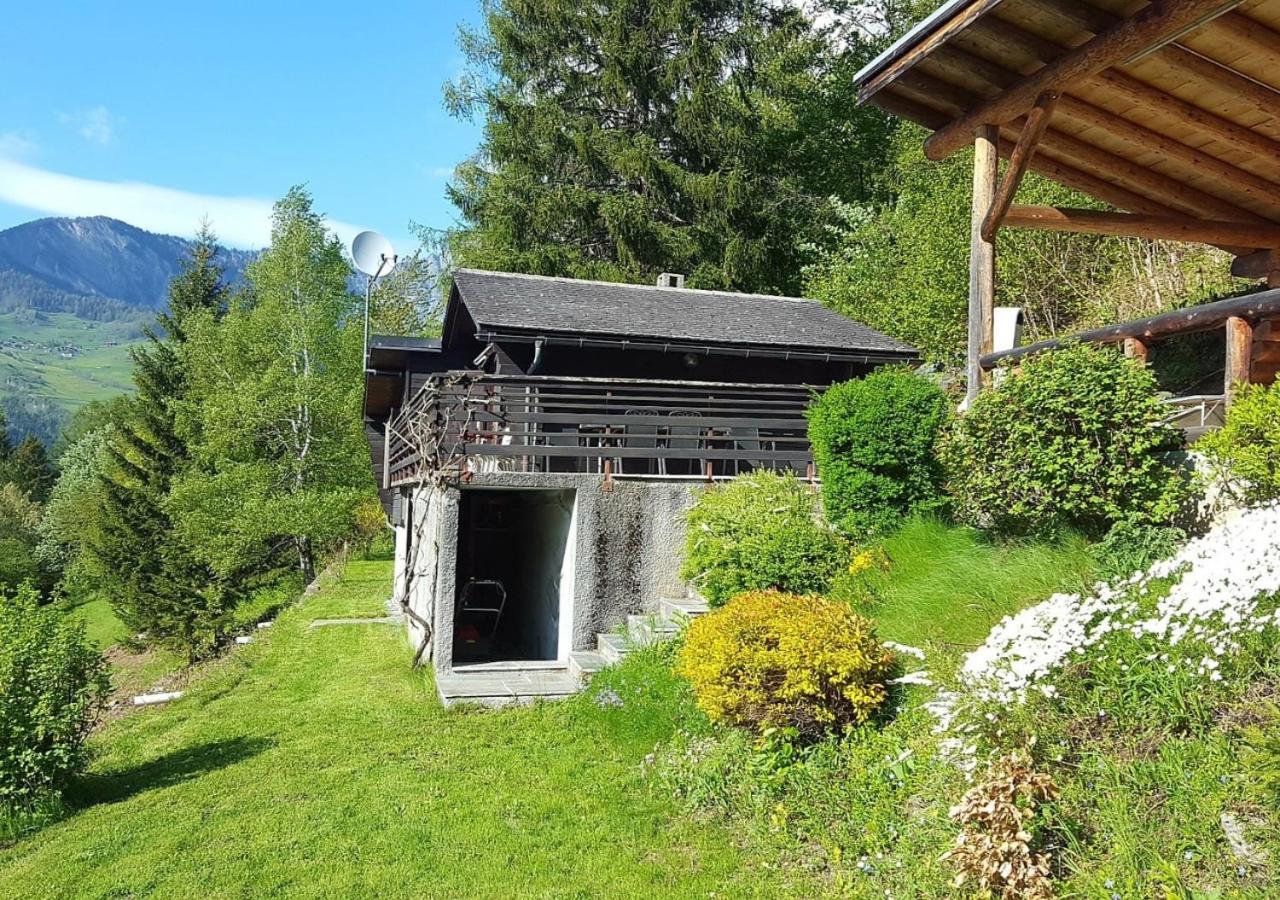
157, 113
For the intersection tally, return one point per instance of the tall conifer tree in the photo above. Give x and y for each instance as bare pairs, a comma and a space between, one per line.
159, 586
28, 468
629, 137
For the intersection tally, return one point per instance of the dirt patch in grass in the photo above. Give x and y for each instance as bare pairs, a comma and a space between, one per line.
1256, 707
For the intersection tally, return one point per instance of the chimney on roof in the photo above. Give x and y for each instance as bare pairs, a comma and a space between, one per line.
670, 280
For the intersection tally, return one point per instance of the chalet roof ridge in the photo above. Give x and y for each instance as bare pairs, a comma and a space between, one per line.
642, 287
516, 304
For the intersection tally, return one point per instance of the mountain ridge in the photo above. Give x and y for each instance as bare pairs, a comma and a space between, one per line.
64, 264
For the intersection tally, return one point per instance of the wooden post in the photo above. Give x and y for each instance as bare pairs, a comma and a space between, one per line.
1032, 130
982, 256
386, 453
1239, 355
1136, 348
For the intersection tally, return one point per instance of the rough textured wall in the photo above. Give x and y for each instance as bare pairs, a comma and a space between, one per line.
433, 539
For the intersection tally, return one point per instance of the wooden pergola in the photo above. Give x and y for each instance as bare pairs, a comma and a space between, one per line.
1168, 111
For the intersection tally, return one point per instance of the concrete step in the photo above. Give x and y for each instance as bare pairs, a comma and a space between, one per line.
583, 664
613, 647
506, 687
645, 630
678, 610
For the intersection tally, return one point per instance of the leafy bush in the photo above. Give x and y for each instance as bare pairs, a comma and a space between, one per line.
1132, 546
757, 532
51, 685
773, 660
873, 440
1246, 450
994, 850
1069, 441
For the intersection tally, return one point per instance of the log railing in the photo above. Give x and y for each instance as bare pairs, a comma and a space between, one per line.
461, 423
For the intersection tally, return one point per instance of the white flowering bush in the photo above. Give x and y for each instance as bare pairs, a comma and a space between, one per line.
1183, 617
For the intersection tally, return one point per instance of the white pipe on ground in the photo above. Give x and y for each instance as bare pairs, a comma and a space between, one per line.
153, 699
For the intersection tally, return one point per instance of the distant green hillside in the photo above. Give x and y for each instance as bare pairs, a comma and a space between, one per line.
51, 363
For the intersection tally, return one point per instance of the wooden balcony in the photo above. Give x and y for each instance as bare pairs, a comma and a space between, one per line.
463, 423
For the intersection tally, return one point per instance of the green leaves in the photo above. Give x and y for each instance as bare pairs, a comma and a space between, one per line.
873, 441
1069, 441
1246, 451
52, 684
760, 531
272, 418
625, 139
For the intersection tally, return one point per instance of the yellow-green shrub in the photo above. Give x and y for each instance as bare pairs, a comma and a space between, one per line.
772, 660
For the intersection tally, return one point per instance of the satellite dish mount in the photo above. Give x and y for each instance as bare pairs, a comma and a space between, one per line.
374, 256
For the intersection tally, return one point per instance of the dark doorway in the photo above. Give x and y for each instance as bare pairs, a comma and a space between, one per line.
515, 575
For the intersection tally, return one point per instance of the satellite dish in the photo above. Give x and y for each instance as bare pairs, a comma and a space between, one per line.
372, 254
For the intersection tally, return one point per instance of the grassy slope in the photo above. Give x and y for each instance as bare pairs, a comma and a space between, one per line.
316, 762
948, 584
101, 624
97, 373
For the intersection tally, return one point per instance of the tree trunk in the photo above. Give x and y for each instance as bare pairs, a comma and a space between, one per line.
306, 561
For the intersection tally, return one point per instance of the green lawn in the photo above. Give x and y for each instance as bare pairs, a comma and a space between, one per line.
98, 371
101, 624
948, 584
315, 763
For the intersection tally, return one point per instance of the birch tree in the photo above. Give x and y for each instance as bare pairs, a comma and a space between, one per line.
273, 418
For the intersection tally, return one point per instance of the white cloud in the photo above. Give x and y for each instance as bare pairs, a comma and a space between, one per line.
238, 221
97, 124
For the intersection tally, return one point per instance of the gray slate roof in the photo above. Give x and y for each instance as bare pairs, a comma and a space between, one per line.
535, 303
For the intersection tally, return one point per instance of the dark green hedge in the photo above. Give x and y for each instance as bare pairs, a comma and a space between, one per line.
873, 440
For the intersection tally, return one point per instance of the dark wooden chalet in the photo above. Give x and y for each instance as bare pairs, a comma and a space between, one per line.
536, 374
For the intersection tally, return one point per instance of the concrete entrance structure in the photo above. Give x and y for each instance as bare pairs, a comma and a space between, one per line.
617, 554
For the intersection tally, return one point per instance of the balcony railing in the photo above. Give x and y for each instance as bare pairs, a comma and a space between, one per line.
1195, 415
461, 423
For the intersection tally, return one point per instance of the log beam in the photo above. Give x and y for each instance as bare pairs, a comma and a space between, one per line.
1250, 307
1239, 355
1061, 142
1136, 348
1161, 228
1154, 24
982, 256
1258, 264
1019, 160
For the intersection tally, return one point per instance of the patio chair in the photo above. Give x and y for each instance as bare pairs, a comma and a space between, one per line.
642, 437
479, 613
684, 437
746, 439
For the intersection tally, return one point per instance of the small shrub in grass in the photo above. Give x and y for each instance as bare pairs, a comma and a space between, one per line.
52, 683
996, 849
1246, 450
757, 532
1071, 441
859, 583
772, 660
1262, 756
1132, 546
873, 440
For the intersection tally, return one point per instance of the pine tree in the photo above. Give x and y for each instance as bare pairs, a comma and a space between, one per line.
159, 586
28, 468
629, 137
6, 446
